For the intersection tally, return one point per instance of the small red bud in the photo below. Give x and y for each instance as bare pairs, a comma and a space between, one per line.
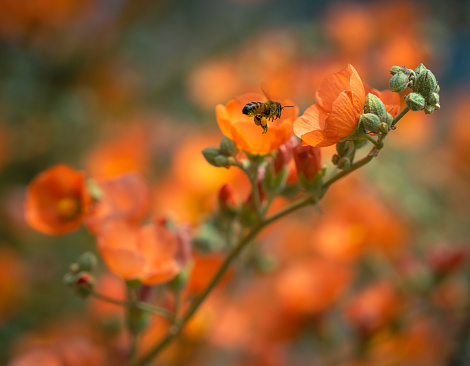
307, 160
227, 198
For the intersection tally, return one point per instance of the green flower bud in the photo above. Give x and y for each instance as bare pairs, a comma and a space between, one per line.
345, 148
137, 320
228, 147
425, 84
420, 69
210, 153
429, 109
388, 119
395, 70
214, 157
374, 105
384, 127
398, 82
221, 161
69, 279
370, 121
344, 163
433, 99
415, 101
87, 262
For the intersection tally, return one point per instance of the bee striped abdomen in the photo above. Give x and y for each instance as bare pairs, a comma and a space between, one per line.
254, 108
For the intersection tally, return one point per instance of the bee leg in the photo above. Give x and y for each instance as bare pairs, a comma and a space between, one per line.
257, 120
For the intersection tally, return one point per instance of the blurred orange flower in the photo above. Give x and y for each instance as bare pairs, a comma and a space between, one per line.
124, 198
340, 102
373, 308
57, 200
150, 253
242, 129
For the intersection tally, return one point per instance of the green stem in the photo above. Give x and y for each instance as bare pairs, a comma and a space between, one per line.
133, 333
400, 115
176, 329
139, 305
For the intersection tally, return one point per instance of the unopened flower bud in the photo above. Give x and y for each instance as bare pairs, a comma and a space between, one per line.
344, 163
398, 82
307, 160
87, 262
210, 153
371, 122
227, 200
374, 105
429, 109
335, 158
84, 284
384, 127
415, 101
425, 83
228, 147
345, 148
433, 99
420, 69
388, 119
395, 69
283, 157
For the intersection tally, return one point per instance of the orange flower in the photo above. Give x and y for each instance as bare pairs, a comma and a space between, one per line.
125, 198
242, 129
57, 200
340, 102
150, 253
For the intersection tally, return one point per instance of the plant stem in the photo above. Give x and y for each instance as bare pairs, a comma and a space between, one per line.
400, 115
139, 305
176, 329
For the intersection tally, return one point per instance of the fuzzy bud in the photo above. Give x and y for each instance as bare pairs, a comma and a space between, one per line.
429, 109
415, 101
87, 262
374, 105
307, 160
228, 147
395, 70
433, 99
420, 69
398, 82
371, 122
425, 83
388, 119
344, 163
345, 148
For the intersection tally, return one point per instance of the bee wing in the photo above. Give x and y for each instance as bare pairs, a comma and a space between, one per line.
250, 97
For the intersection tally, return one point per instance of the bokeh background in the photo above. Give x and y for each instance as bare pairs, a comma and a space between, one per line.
112, 86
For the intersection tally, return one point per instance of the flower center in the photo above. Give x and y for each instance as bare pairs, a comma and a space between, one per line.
68, 207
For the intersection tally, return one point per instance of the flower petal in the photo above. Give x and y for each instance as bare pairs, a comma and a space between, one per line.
313, 119
334, 84
344, 117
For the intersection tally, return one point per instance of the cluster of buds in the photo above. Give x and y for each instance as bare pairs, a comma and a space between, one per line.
375, 118
345, 151
222, 156
422, 81
79, 276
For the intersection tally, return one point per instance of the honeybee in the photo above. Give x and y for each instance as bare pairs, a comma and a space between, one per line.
262, 112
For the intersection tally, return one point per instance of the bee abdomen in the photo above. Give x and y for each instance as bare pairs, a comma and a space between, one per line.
253, 108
